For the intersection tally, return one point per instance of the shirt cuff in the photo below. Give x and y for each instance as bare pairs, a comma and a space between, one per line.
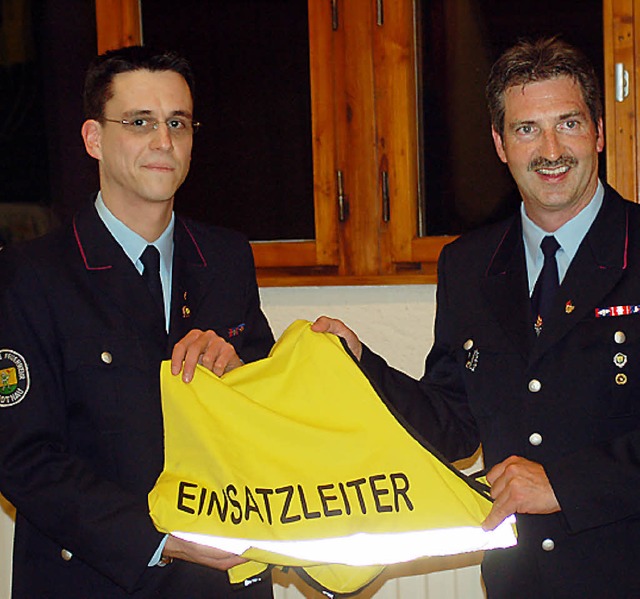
157, 556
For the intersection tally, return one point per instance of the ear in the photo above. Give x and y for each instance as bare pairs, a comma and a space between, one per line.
600, 136
92, 136
497, 142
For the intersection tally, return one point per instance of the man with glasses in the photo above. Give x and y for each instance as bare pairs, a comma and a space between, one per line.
88, 313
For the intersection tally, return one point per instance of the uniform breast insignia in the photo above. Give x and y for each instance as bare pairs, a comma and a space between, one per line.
186, 311
537, 325
620, 360
472, 360
569, 307
621, 379
235, 331
14, 378
617, 311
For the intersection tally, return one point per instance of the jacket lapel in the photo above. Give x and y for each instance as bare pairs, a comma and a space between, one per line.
191, 278
599, 264
113, 273
505, 287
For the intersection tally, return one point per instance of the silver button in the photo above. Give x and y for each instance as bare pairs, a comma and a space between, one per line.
619, 337
535, 385
548, 545
468, 344
620, 360
535, 439
66, 555
106, 357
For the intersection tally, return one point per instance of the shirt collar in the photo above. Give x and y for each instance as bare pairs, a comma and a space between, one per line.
569, 236
132, 243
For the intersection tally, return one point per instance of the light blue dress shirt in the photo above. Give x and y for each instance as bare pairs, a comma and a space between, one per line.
133, 246
569, 236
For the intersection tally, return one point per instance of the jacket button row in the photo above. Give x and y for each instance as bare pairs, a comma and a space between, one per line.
548, 545
535, 439
66, 555
106, 357
534, 386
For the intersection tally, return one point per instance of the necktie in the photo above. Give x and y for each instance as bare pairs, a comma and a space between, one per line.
151, 274
547, 283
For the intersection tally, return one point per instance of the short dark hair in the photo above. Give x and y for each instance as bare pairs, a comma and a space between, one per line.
541, 60
99, 78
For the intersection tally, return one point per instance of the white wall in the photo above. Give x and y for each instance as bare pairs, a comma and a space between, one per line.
396, 321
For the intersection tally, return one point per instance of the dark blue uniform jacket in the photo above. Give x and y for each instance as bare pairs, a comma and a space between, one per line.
82, 447
569, 399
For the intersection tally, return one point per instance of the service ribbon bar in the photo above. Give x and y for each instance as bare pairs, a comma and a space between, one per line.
617, 311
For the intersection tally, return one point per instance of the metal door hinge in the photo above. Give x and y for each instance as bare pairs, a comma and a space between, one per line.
343, 203
379, 13
386, 209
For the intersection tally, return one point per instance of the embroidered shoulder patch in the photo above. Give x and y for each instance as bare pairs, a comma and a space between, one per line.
14, 378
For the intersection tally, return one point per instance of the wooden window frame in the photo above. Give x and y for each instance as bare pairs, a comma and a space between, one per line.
364, 126
621, 22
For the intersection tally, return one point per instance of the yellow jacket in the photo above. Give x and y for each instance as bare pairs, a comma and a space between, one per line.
294, 461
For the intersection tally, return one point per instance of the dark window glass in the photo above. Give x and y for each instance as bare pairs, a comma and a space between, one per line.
45, 47
252, 163
463, 183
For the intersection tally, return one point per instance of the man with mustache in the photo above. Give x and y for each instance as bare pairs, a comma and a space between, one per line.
537, 343
88, 313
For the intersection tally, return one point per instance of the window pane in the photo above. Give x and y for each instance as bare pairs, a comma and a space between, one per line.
44, 168
252, 162
463, 182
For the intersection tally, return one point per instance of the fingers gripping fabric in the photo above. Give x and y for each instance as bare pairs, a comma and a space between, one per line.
295, 461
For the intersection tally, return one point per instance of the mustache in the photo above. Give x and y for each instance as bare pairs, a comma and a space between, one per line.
538, 163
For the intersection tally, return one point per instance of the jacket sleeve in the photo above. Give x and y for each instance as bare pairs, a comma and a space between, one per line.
40, 473
260, 339
436, 405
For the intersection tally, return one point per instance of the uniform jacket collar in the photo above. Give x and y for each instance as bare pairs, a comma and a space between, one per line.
600, 262
118, 279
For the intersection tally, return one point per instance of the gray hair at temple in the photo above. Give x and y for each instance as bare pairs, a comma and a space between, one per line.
541, 60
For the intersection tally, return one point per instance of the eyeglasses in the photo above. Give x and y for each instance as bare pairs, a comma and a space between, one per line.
177, 126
